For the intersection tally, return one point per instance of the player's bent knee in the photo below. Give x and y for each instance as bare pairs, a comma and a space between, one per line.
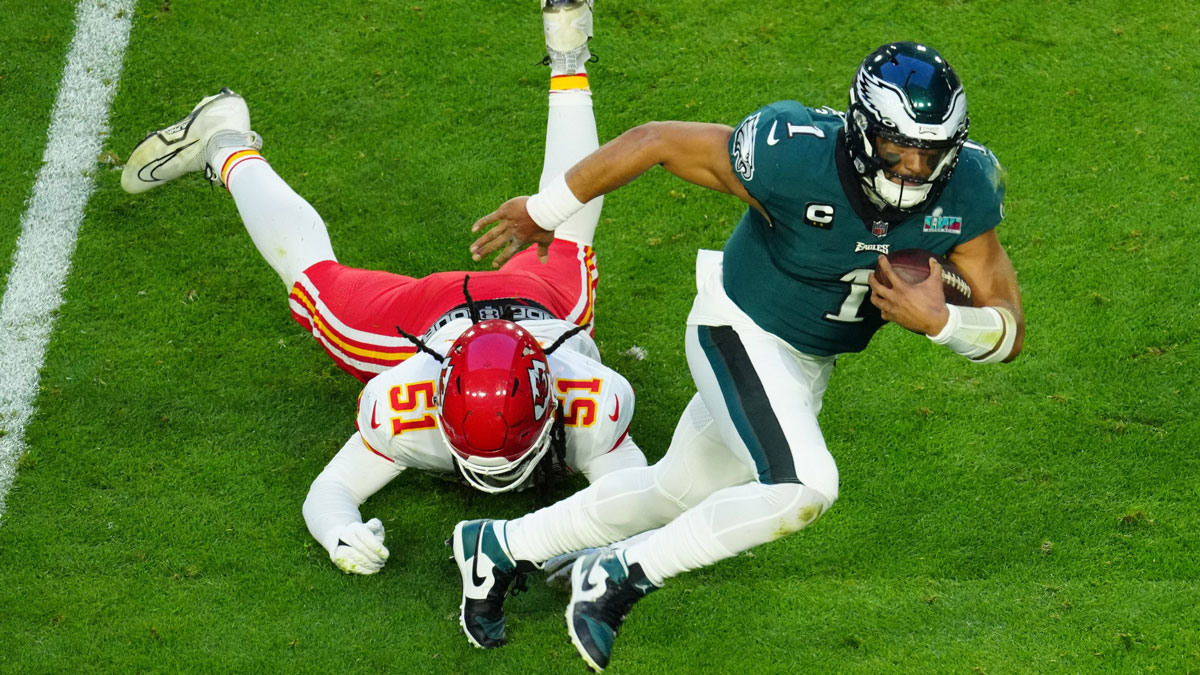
625, 502
671, 487
799, 505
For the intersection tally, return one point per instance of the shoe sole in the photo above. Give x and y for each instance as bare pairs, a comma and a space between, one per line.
455, 543
563, 18
583, 653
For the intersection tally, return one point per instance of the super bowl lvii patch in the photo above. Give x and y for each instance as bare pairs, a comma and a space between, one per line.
943, 224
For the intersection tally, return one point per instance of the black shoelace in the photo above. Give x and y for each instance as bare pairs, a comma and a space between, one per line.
520, 584
616, 602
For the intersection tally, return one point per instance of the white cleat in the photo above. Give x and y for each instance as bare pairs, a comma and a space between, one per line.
218, 121
568, 26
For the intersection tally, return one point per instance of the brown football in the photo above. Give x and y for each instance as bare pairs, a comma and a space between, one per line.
912, 265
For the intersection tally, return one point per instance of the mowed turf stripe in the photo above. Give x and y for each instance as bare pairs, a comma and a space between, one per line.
78, 124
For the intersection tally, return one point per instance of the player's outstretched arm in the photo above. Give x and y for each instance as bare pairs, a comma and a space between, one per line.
694, 151
331, 508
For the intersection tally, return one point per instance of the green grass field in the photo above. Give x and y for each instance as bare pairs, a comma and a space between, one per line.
1034, 517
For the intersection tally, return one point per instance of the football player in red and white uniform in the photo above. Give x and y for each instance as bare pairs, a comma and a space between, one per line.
538, 407
483, 402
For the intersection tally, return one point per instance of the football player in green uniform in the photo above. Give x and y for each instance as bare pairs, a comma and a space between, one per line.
828, 193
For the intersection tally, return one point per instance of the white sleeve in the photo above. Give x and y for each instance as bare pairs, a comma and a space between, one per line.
606, 446
353, 475
626, 455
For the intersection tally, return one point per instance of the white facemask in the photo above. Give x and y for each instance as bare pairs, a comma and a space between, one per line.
900, 196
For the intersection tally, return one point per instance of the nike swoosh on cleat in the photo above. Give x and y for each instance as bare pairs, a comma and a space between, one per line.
475, 578
771, 140
158, 164
616, 410
585, 585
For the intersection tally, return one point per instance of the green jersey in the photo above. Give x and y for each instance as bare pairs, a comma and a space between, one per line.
802, 275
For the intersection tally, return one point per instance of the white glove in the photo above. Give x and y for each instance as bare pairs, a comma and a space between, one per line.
558, 569
360, 548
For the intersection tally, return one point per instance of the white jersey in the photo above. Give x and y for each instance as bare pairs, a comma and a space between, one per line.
398, 425
397, 415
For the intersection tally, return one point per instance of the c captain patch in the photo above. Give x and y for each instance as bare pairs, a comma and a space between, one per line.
818, 215
943, 224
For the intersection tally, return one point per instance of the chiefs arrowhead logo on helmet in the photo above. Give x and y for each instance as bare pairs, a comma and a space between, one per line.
539, 383
494, 404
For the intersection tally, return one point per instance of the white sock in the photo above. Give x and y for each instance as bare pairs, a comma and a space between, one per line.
287, 230
220, 158
728, 522
571, 136
617, 506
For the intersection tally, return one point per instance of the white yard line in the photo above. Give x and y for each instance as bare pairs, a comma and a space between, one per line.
78, 126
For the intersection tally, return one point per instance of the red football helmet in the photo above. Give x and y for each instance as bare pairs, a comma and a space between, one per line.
495, 405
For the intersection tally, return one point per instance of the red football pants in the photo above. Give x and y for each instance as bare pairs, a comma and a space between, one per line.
353, 313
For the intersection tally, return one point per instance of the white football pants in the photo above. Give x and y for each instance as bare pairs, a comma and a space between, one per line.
291, 236
747, 463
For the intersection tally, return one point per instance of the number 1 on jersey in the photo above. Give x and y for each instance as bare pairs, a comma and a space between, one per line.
848, 311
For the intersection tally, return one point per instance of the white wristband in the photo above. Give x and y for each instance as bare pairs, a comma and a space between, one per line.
982, 334
553, 205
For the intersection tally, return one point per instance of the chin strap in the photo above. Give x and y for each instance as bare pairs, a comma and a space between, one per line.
982, 334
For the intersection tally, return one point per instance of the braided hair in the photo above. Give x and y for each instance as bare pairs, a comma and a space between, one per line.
553, 466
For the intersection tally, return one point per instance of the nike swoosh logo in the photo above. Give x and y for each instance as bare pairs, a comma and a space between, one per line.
148, 176
374, 424
475, 578
585, 585
617, 410
771, 140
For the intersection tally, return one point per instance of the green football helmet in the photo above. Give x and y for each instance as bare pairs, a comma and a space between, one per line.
906, 94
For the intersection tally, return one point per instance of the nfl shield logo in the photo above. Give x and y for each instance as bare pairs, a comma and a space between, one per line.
879, 228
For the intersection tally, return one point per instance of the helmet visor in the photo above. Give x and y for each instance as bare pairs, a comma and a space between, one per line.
909, 161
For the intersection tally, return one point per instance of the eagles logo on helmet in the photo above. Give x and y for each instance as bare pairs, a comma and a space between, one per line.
905, 93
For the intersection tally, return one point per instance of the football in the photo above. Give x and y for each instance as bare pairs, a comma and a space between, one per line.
912, 265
